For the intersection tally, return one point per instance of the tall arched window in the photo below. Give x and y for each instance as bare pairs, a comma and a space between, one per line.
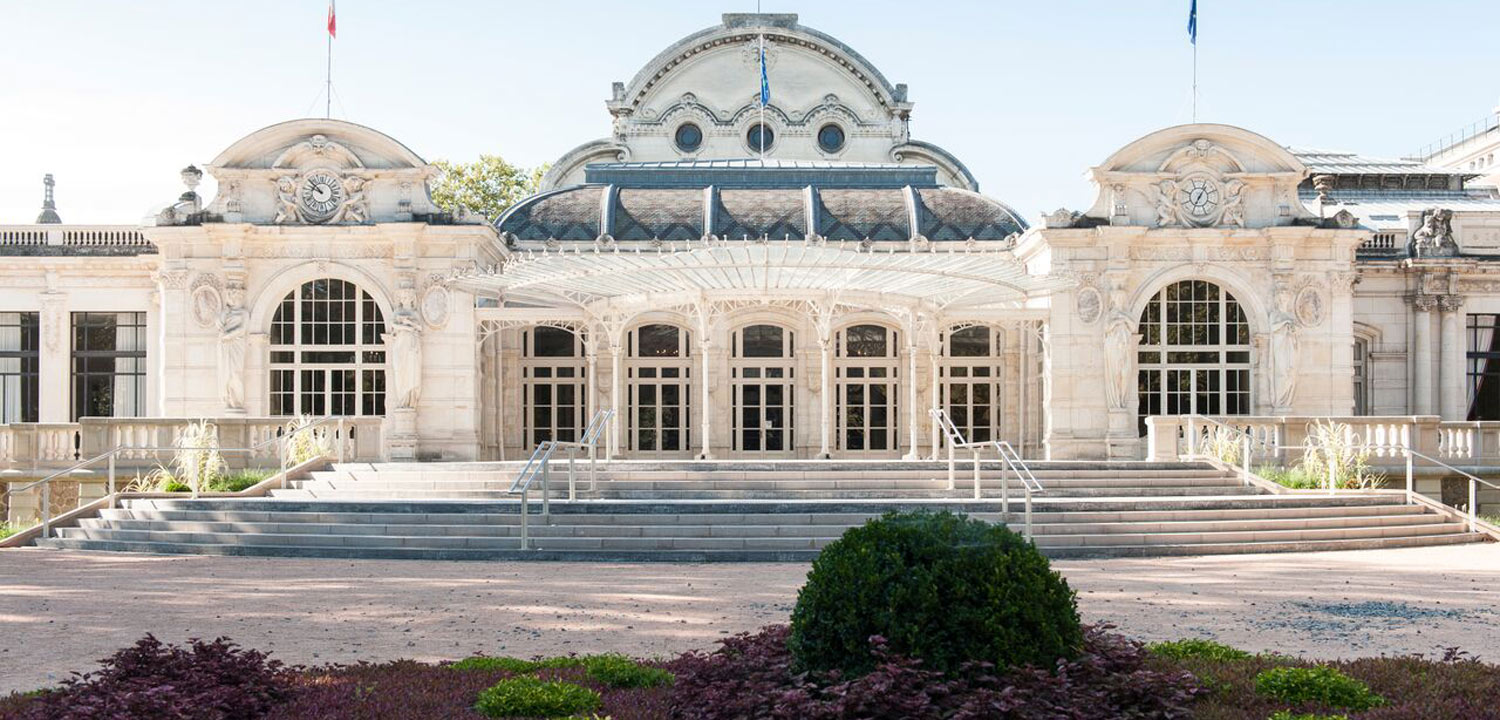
553, 384
971, 382
659, 375
866, 388
763, 382
327, 355
1194, 354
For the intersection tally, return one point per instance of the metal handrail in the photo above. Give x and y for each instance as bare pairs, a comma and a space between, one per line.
1029, 483
1009, 458
1245, 441
539, 465
111, 454
1474, 480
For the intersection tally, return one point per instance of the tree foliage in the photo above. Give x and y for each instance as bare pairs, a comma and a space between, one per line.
487, 186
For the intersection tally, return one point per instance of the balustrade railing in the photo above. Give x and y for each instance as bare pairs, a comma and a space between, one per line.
1385, 437
72, 457
1403, 444
74, 236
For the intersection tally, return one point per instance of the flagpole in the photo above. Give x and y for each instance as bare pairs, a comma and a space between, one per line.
328, 86
762, 143
1195, 82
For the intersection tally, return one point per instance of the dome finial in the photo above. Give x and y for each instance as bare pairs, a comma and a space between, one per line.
49, 214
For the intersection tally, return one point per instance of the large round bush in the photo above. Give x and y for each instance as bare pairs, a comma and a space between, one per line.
937, 586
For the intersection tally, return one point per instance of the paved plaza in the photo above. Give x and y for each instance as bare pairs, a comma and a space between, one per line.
61, 610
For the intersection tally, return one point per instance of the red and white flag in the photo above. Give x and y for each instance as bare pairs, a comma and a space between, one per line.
333, 31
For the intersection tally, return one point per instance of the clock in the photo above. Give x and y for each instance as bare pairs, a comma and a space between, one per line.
1199, 198
320, 195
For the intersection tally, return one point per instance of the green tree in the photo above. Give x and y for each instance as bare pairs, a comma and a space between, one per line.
487, 186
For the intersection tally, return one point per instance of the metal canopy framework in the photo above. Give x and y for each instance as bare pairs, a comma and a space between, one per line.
597, 280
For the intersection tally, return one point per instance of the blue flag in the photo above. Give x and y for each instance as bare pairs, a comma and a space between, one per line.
765, 85
1192, 23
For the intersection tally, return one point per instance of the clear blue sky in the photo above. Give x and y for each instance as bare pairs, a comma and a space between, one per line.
114, 97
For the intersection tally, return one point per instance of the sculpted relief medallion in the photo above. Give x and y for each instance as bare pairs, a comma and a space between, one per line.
435, 306
1309, 307
1089, 305
207, 305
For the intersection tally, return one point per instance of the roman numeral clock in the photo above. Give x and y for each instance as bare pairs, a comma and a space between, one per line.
320, 195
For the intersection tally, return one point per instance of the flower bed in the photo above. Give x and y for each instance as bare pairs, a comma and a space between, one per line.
750, 676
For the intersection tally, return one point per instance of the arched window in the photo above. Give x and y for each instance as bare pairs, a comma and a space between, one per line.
1194, 354
659, 373
553, 384
971, 382
327, 352
867, 388
762, 378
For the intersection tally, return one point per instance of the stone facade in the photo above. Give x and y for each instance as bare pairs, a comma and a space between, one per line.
1217, 272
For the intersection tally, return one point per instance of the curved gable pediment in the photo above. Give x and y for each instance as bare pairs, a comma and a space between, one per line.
1200, 175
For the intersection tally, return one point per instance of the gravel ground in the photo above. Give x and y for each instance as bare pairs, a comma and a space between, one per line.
62, 610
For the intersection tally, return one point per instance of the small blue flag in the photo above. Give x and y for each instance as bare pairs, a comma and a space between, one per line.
765, 85
1193, 22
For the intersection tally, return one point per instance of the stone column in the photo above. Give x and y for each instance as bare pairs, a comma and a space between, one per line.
825, 397
913, 417
936, 357
707, 413
1451, 371
53, 361
1422, 354
616, 393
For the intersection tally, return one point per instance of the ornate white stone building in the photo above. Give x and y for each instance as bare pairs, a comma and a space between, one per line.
802, 282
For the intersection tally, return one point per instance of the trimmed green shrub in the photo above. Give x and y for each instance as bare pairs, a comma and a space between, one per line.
527, 696
618, 671
940, 587
1322, 685
1197, 648
514, 665
1287, 715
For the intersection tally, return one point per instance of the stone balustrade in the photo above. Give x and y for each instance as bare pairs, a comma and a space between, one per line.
1386, 437
34, 449
114, 236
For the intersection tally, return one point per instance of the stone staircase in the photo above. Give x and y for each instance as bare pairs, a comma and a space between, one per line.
743, 511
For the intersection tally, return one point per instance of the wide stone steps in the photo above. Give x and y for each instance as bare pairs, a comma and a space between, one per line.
709, 531
575, 526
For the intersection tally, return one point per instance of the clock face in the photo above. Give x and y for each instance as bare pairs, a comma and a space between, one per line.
1199, 197
321, 195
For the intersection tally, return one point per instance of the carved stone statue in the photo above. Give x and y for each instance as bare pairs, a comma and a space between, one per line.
1119, 360
233, 339
1166, 203
356, 207
1234, 204
1283, 355
286, 200
404, 346
1435, 237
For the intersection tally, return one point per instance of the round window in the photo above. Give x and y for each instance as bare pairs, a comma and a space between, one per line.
831, 138
761, 137
689, 137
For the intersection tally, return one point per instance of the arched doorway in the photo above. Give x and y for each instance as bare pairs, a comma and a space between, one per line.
762, 378
971, 381
327, 352
659, 376
553, 380
866, 365
1194, 354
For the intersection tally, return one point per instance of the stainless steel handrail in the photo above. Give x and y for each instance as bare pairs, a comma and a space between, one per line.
1009, 458
539, 465
1029, 482
111, 454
